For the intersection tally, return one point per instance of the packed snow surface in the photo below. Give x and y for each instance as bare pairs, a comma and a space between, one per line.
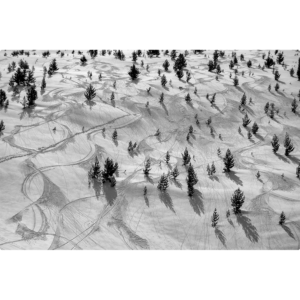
47, 202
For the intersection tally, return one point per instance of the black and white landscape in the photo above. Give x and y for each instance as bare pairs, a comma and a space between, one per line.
149, 149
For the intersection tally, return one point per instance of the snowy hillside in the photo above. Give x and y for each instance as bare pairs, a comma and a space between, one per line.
54, 196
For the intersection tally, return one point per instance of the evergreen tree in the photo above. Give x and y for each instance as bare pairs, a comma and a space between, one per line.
134, 56
179, 74
29, 78
3, 97
266, 108
249, 135
95, 171
219, 152
186, 157
167, 157
292, 72
276, 75
147, 168
237, 200
210, 66
282, 219
115, 135
235, 81
163, 183
276, 87
298, 71
112, 97
243, 99
90, 93
83, 60
257, 175
173, 54
161, 98
294, 106
246, 120
235, 60
212, 169
175, 173
109, 169
288, 145
275, 143
53, 66
19, 77
231, 65
13, 65
166, 65
298, 171
188, 98
249, 64
31, 95
2, 126
255, 128
214, 219
43, 85
280, 58
208, 170
180, 63
134, 72
163, 80
188, 77
228, 161
269, 62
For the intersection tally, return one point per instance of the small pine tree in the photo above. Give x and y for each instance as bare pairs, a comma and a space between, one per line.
112, 97
95, 171
2, 126
167, 159
163, 183
188, 98
161, 98
249, 64
249, 135
257, 175
282, 219
292, 72
288, 145
43, 84
276, 87
246, 120
298, 171
208, 170
175, 173
243, 99
134, 72
188, 77
298, 71
266, 108
294, 106
115, 135
179, 74
83, 60
31, 95
134, 56
147, 168
255, 128
186, 157
166, 65
212, 169
275, 143
237, 200
163, 80
3, 97
276, 75
235, 81
90, 93
214, 219
219, 152
228, 161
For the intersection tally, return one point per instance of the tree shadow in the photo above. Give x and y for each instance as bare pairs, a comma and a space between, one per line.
220, 235
167, 200
166, 88
282, 157
110, 193
165, 108
113, 102
97, 187
239, 89
27, 111
146, 200
230, 222
259, 136
249, 229
294, 159
197, 203
214, 177
149, 179
177, 183
232, 176
288, 231
90, 103
115, 141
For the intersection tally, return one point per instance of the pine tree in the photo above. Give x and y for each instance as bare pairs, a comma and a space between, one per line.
298, 171
186, 157
53, 66
212, 169
175, 173
235, 81
269, 62
112, 96
192, 176
282, 219
257, 175
188, 77
173, 54
275, 143
191, 129
266, 108
134, 72
214, 219
231, 65
83, 60
3, 97
298, 71
188, 98
276, 75
249, 135
246, 120
249, 64
163, 183
237, 200
166, 65
211, 66
167, 157
208, 170
294, 106
243, 99
163, 80
43, 84
115, 135
19, 77
30, 79
255, 128
228, 161
134, 56
179, 74
95, 171
213, 99
109, 169
2, 126
147, 168
276, 87
161, 98
180, 63
292, 72
31, 95
219, 152
288, 145
90, 93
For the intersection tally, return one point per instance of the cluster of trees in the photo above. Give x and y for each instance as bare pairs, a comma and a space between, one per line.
52, 67
46, 53
31, 97
287, 143
93, 53
153, 52
119, 55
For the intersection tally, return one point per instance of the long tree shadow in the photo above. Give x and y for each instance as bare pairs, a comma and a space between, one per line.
288, 231
232, 176
214, 177
146, 200
177, 183
220, 235
110, 193
249, 229
149, 179
197, 203
97, 187
294, 159
282, 157
230, 222
167, 200
259, 136
165, 108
